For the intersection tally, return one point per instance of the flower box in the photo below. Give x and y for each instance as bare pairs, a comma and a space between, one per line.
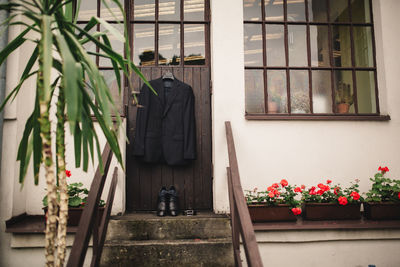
331, 211
75, 214
382, 210
263, 213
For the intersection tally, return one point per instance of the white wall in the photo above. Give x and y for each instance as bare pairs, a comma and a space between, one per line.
303, 152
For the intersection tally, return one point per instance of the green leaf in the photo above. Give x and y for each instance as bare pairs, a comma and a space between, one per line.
13, 45
74, 201
71, 70
77, 146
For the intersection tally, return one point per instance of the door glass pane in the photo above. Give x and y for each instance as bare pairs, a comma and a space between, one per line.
116, 44
366, 98
277, 91
275, 45
339, 11
111, 81
253, 45
363, 46
296, 10
144, 9
254, 83
317, 11
169, 44
361, 11
87, 10
169, 10
194, 44
273, 10
297, 45
299, 91
319, 44
143, 44
322, 91
341, 45
193, 9
344, 94
112, 12
252, 10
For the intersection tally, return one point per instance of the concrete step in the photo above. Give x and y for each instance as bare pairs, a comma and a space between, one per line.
195, 252
151, 227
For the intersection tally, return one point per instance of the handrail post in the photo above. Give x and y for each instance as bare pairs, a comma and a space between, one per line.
82, 236
234, 222
105, 218
253, 256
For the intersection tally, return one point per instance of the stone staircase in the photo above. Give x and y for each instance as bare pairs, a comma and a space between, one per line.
148, 240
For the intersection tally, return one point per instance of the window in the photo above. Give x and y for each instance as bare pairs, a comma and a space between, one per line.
310, 59
164, 31
96, 8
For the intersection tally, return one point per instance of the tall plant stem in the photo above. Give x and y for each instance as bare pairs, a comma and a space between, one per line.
44, 88
63, 187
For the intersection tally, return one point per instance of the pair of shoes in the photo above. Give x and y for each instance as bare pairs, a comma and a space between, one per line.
167, 202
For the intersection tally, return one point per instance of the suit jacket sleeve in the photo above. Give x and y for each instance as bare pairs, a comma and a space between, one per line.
141, 121
189, 128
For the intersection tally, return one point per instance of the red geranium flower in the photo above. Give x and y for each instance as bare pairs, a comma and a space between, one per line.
297, 190
320, 192
328, 181
68, 173
275, 185
284, 182
399, 195
271, 194
355, 195
296, 211
270, 188
336, 190
321, 186
383, 170
342, 200
303, 186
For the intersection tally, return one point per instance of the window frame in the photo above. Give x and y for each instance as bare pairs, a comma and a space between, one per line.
181, 22
309, 68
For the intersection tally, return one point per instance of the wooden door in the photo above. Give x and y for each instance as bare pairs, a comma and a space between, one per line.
193, 182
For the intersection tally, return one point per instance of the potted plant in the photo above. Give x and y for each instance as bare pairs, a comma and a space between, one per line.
77, 198
277, 203
327, 202
344, 99
382, 201
274, 102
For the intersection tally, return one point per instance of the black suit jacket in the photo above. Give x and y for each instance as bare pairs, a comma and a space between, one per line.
166, 130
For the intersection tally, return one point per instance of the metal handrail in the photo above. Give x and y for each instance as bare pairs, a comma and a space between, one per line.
240, 217
89, 224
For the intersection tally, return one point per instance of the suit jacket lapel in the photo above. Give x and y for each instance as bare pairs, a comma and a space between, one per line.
174, 91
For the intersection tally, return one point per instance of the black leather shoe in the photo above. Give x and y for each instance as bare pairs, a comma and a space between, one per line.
173, 201
162, 202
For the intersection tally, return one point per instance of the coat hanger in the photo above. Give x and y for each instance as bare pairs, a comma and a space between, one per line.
168, 75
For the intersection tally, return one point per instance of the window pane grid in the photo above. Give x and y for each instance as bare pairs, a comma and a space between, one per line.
184, 14
352, 56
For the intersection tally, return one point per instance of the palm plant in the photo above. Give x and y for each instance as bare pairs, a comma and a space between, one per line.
62, 67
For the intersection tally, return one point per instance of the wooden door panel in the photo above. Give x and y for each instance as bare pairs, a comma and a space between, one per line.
194, 181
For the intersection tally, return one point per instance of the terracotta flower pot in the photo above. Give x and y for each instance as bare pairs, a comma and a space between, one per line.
342, 108
331, 211
263, 213
273, 107
382, 210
